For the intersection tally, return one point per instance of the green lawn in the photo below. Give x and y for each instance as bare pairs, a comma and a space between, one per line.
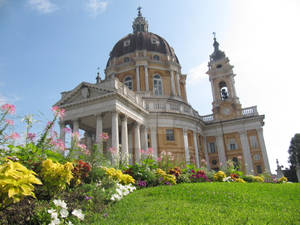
207, 203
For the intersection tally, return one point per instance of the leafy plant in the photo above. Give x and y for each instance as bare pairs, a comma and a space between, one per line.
165, 178
16, 182
119, 176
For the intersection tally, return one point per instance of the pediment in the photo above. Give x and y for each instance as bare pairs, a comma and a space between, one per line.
83, 92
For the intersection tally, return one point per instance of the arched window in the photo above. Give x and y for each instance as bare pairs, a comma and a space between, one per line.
126, 59
128, 82
156, 57
223, 90
157, 85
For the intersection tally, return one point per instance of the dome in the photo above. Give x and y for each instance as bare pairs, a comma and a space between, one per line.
142, 41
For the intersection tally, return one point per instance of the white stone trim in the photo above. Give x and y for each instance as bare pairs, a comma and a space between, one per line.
196, 149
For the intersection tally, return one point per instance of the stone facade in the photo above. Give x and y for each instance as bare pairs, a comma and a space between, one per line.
142, 103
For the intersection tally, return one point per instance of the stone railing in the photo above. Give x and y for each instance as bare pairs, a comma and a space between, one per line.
207, 118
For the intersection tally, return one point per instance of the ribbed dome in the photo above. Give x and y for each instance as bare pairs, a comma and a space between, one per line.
142, 41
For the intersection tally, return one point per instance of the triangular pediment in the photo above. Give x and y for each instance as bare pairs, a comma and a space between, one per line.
83, 92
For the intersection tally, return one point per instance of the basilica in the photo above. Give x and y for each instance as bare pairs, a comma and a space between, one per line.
142, 103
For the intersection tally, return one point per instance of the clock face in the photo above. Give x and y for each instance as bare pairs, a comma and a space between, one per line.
226, 111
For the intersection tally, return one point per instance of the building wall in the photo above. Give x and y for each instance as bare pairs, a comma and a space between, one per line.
255, 150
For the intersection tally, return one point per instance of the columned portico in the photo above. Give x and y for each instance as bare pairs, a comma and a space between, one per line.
246, 153
221, 150
153, 131
206, 153
263, 149
75, 125
196, 149
137, 142
124, 154
186, 146
144, 137
115, 131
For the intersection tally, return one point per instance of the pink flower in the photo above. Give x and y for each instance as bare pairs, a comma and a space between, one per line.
67, 130
76, 135
104, 136
158, 159
9, 122
239, 157
112, 150
13, 136
11, 109
60, 144
31, 136
58, 111
150, 151
87, 152
82, 146
142, 151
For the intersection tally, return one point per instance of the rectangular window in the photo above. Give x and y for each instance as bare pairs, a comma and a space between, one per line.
170, 135
258, 169
253, 142
212, 147
232, 144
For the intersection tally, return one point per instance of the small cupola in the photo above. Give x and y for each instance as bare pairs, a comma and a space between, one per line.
140, 24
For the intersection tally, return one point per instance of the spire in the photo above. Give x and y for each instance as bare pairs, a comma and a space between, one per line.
140, 24
217, 54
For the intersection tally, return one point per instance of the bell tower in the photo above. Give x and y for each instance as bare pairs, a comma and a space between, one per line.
226, 104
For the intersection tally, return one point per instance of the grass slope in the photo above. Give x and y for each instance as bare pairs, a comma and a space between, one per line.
207, 203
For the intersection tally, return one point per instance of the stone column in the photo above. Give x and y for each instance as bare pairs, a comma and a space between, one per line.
184, 87
146, 78
172, 83
186, 146
213, 89
137, 142
115, 132
263, 149
153, 132
221, 150
138, 86
62, 133
178, 84
246, 153
196, 149
75, 125
124, 140
206, 153
88, 141
130, 145
99, 131
144, 137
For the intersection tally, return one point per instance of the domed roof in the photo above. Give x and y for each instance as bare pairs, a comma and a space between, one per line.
142, 41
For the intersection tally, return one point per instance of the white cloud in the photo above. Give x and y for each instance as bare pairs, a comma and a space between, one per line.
43, 6
96, 7
197, 74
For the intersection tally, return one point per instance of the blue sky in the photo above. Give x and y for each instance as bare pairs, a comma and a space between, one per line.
50, 46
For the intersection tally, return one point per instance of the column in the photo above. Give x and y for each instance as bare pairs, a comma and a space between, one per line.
178, 84
206, 153
186, 146
62, 133
138, 86
153, 132
213, 89
124, 140
115, 132
99, 131
144, 137
196, 149
137, 142
89, 141
146, 78
75, 125
263, 149
221, 150
184, 87
172, 83
246, 153
130, 146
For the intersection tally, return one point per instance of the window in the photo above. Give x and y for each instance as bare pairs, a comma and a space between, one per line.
232, 144
258, 169
214, 162
253, 142
212, 147
170, 135
154, 41
157, 85
128, 82
156, 57
126, 43
223, 90
256, 157
126, 59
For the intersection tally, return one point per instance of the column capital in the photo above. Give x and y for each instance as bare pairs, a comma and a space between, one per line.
136, 124
123, 117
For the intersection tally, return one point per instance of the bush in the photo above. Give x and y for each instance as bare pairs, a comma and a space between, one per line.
198, 176
219, 176
16, 182
282, 180
143, 173
119, 176
165, 178
56, 176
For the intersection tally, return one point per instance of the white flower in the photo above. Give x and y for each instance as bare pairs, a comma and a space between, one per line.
78, 213
54, 215
60, 203
115, 197
70, 223
55, 221
50, 211
64, 213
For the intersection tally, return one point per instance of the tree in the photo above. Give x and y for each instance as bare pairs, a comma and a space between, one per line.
294, 155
